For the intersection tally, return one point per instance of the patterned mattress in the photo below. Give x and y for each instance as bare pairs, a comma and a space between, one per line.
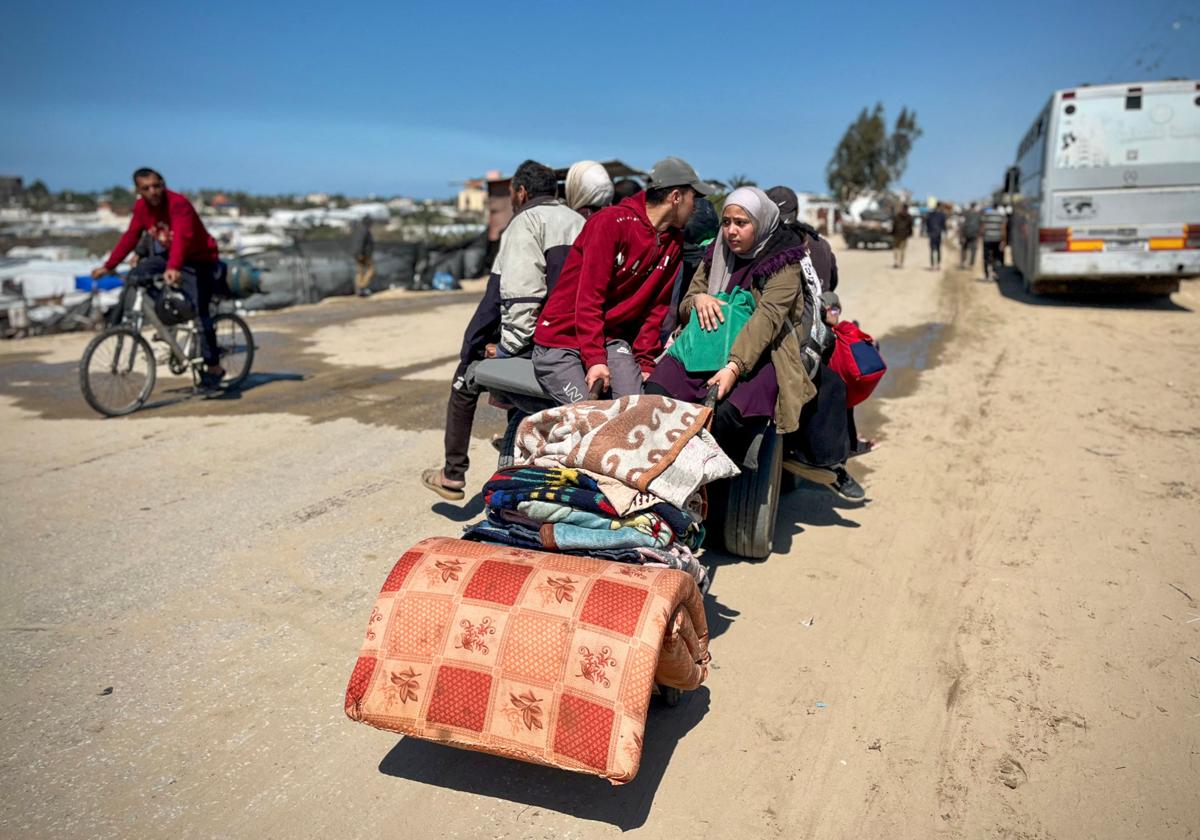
547, 658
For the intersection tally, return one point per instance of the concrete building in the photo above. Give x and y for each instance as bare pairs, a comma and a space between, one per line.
472, 198
11, 189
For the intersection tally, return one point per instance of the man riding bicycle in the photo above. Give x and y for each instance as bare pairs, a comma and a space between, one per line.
183, 252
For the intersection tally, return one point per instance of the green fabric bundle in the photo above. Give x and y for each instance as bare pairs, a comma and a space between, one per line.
700, 350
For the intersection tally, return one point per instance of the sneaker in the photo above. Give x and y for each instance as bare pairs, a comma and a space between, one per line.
364, 292
846, 487
210, 383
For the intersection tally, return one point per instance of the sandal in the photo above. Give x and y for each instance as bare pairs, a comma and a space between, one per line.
433, 480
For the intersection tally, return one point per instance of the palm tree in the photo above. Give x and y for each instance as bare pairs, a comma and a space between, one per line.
742, 180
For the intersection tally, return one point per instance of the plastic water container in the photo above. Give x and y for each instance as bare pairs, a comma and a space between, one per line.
443, 281
84, 282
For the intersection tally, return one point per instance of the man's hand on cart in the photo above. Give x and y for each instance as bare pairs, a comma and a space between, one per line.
99, 271
172, 277
598, 375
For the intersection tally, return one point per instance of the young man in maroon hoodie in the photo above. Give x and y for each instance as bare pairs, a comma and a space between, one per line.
190, 263
599, 333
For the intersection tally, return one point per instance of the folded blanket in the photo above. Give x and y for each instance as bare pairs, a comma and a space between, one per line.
512, 488
655, 444
508, 488
541, 657
513, 529
596, 531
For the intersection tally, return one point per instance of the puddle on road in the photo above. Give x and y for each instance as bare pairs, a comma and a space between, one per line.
290, 378
909, 353
287, 377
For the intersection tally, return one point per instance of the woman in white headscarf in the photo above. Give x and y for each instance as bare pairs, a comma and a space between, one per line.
588, 187
766, 376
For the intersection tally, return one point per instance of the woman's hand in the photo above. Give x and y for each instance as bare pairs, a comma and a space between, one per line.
708, 310
724, 379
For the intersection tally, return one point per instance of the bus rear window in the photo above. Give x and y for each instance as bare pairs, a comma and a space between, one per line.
1124, 131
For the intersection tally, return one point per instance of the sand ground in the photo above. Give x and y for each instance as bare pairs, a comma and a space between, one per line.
1004, 641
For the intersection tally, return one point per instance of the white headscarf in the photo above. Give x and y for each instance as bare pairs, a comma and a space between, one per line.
765, 214
588, 185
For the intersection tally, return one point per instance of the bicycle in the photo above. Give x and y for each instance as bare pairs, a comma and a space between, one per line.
118, 369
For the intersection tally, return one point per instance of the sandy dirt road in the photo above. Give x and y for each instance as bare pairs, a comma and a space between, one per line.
1004, 641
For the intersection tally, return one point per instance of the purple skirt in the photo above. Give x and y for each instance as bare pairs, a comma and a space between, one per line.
753, 397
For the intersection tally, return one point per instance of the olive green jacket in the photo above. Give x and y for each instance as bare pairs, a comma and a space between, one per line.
775, 327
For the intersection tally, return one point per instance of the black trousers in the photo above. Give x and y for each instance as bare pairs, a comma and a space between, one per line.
827, 429
935, 251
993, 258
483, 329
197, 282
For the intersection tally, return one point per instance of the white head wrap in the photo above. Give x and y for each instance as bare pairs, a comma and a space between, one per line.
588, 185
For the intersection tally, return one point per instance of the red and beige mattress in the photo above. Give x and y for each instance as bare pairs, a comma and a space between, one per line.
547, 658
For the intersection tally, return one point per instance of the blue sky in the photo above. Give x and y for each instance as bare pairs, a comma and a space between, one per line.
404, 98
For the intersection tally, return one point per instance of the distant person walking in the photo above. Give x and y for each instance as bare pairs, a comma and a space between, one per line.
902, 229
972, 221
362, 247
935, 226
993, 232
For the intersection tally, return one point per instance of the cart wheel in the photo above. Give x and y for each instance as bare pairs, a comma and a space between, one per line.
754, 502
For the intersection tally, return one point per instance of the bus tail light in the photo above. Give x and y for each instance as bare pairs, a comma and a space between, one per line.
1166, 243
1054, 239
1085, 245
1191, 235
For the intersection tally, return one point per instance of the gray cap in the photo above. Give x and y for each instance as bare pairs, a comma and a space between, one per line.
676, 172
830, 300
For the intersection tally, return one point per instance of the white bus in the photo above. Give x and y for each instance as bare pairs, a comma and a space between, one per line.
1106, 189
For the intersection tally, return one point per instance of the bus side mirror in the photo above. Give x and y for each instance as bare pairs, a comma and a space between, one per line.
1012, 180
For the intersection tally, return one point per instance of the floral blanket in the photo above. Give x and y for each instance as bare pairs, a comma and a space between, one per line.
546, 658
654, 444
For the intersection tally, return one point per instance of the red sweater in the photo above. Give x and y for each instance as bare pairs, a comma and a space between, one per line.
175, 224
615, 284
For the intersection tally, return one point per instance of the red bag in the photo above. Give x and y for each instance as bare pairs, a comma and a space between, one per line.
857, 361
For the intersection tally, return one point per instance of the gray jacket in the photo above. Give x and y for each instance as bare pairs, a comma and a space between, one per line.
532, 252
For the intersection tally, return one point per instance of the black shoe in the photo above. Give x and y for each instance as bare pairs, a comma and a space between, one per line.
210, 383
846, 487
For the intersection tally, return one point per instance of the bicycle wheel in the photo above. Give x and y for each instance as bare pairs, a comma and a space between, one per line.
235, 345
116, 373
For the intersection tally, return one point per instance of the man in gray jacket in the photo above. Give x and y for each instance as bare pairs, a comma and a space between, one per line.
532, 251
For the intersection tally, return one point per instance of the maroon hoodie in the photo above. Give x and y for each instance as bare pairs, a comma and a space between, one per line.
615, 284
177, 227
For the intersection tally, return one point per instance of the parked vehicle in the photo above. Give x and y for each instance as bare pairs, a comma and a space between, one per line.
1106, 189
875, 228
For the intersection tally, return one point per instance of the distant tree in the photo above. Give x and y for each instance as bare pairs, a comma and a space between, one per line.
742, 180
867, 158
905, 133
76, 200
37, 196
120, 196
